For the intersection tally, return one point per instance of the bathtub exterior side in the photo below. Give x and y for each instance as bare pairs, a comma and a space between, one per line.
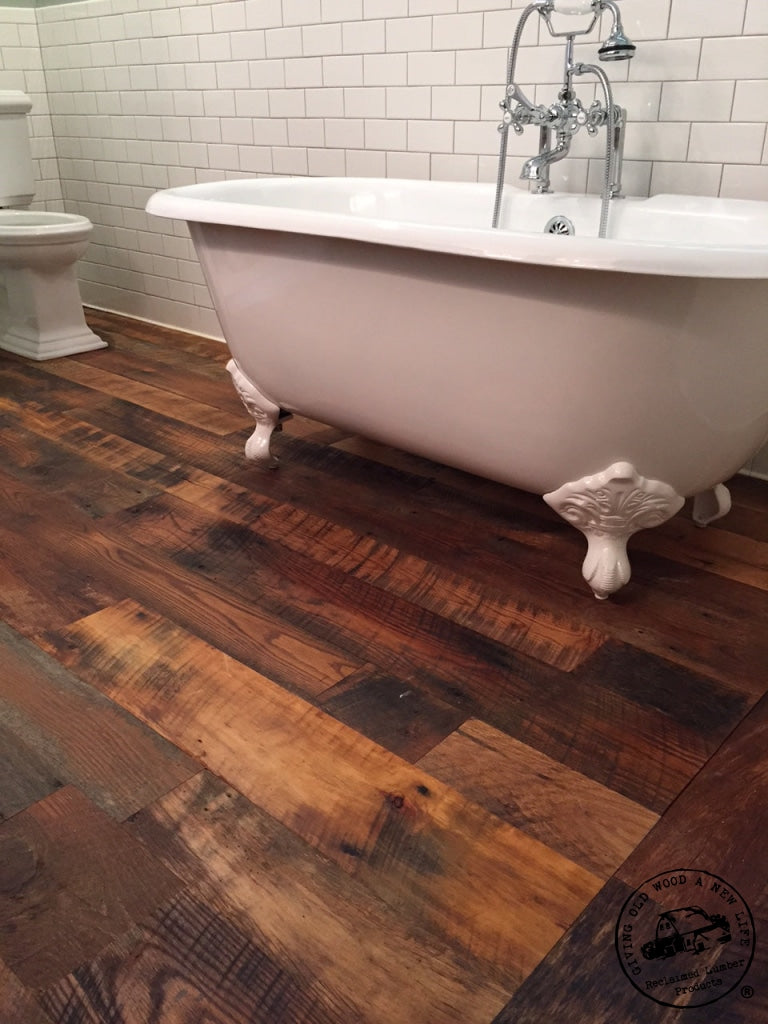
530, 375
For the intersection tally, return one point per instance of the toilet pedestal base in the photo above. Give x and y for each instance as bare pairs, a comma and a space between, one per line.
45, 318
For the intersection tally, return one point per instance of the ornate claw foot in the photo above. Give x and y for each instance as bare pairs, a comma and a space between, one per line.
608, 508
711, 505
265, 413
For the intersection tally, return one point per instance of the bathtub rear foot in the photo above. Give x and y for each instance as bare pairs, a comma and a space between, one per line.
265, 412
608, 508
711, 505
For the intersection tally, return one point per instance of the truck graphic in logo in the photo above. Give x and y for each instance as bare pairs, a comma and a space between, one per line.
686, 930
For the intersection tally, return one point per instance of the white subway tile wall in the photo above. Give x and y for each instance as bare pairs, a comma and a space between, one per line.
135, 95
21, 67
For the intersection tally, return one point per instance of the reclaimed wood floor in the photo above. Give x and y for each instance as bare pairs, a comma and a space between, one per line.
352, 741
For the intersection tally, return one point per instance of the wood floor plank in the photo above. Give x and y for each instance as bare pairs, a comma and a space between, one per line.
440, 739
60, 469
154, 345
189, 963
740, 556
197, 345
455, 665
76, 736
211, 388
556, 642
311, 916
26, 381
531, 630
71, 880
724, 554
714, 834
507, 539
17, 1004
396, 713
25, 775
412, 840
286, 653
586, 822
198, 448
99, 448
146, 396
38, 590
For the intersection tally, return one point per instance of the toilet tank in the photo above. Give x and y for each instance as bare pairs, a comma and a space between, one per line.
17, 180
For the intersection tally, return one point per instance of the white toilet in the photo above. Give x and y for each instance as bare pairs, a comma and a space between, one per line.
38, 252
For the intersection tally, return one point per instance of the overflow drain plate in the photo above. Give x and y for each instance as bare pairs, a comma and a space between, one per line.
559, 225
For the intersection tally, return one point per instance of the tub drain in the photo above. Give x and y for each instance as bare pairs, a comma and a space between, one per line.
559, 225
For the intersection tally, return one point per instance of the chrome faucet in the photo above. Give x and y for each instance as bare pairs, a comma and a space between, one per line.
561, 120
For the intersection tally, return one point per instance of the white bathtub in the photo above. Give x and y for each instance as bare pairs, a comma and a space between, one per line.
613, 376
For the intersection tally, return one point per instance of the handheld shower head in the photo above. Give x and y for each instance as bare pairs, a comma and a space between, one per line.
617, 46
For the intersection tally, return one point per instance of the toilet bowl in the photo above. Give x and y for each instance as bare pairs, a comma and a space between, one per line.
39, 250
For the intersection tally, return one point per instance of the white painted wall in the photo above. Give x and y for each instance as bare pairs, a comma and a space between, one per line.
143, 94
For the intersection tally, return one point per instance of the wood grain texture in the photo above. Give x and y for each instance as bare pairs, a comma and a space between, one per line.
395, 712
409, 837
530, 630
190, 962
71, 880
18, 1004
217, 612
75, 736
456, 664
585, 821
436, 762
717, 826
181, 407
303, 909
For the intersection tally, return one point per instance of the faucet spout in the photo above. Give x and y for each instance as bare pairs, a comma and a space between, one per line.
537, 168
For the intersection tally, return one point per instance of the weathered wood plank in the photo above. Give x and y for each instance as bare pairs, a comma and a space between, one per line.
197, 345
141, 363
75, 735
25, 775
191, 962
285, 652
71, 880
508, 539
455, 665
17, 1003
586, 822
146, 396
63, 470
28, 383
197, 448
97, 447
532, 630
311, 916
491, 890
721, 553
38, 590
714, 833
397, 713
740, 556
556, 642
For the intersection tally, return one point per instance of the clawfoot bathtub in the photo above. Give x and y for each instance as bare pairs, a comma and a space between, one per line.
615, 377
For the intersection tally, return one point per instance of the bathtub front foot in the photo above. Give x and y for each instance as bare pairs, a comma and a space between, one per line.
711, 505
265, 412
608, 508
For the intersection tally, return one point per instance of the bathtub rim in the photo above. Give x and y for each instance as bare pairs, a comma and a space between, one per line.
197, 203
